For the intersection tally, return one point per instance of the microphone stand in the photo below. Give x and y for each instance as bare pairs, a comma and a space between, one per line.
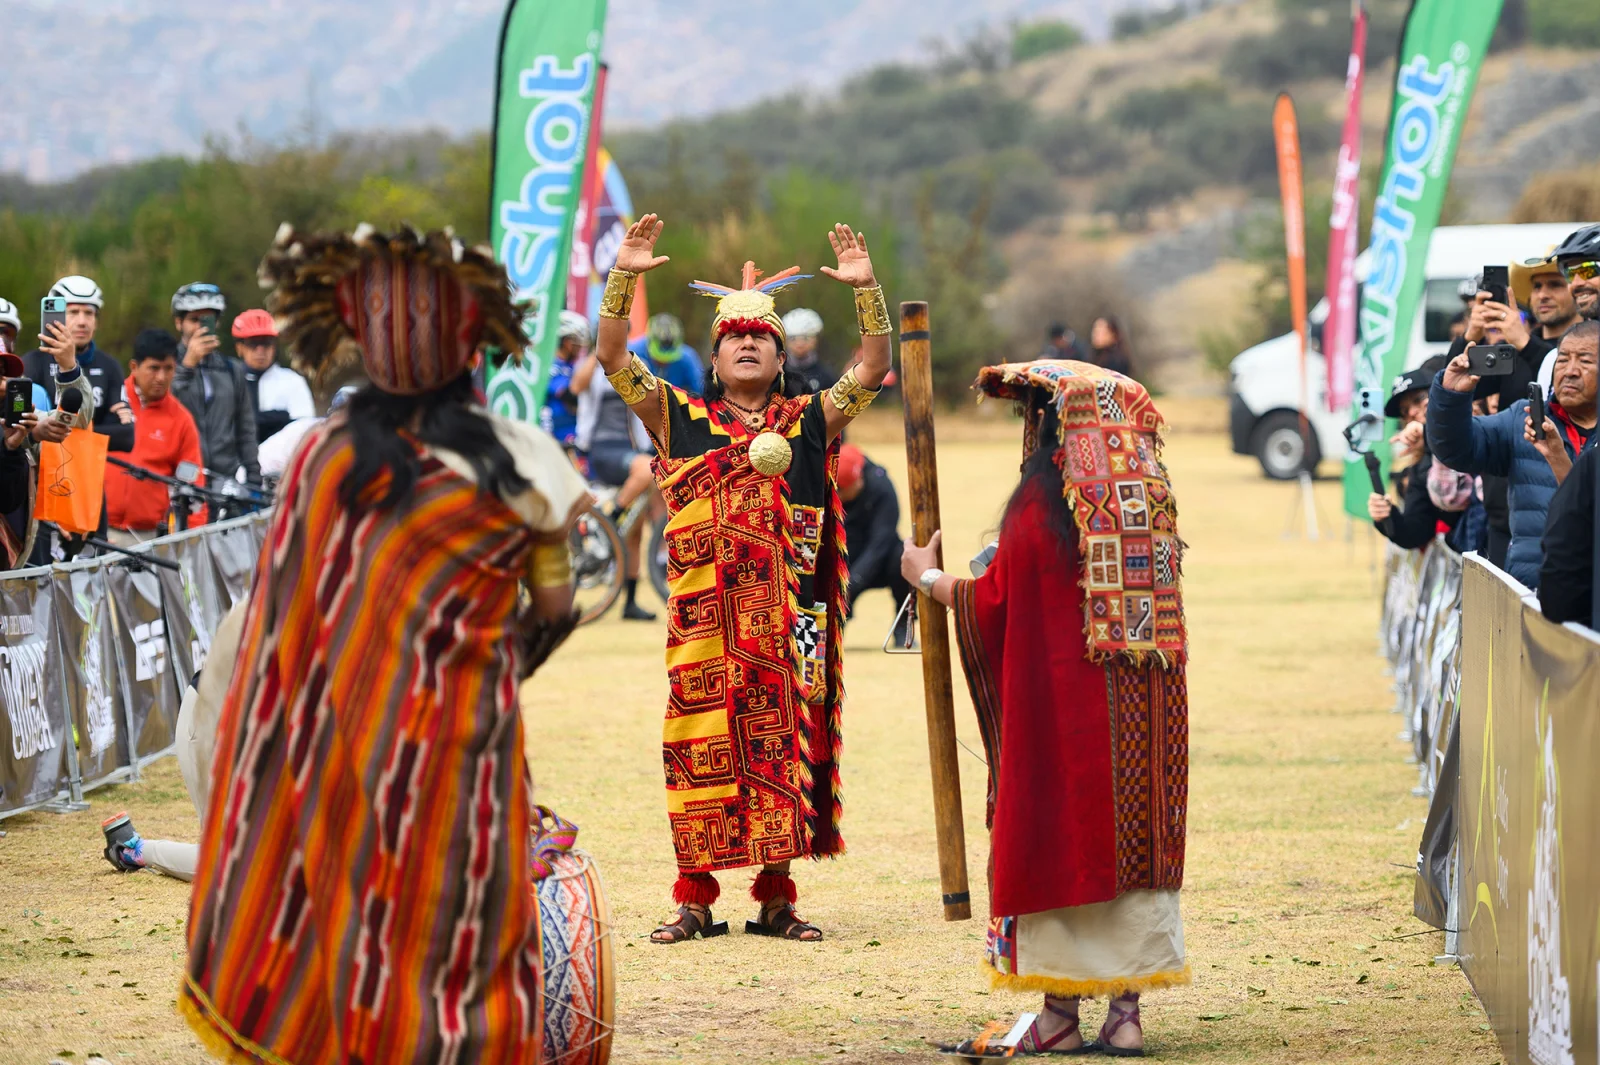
136, 560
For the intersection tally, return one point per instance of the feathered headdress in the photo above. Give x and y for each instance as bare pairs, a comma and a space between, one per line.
749, 308
410, 309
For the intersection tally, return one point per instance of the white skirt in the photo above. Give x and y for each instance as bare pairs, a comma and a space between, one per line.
1133, 943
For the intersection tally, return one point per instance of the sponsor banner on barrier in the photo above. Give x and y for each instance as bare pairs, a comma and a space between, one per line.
233, 554
88, 660
144, 659
1530, 929
33, 729
192, 600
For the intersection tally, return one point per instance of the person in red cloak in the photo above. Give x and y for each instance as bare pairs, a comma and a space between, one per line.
1074, 648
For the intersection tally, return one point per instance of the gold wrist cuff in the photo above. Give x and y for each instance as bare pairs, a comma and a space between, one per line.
849, 396
618, 299
551, 566
872, 312
634, 382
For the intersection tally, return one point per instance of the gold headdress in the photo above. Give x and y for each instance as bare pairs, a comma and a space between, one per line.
750, 307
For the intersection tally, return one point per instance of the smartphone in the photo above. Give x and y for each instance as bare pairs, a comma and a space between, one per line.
1491, 360
1536, 409
1496, 282
19, 399
187, 472
52, 309
208, 322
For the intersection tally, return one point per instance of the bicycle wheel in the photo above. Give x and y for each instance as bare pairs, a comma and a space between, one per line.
658, 557
596, 564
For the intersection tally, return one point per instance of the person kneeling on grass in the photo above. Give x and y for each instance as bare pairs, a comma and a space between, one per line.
1087, 745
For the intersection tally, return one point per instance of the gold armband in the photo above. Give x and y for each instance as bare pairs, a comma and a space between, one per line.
618, 299
634, 382
849, 396
551, 566
872, 313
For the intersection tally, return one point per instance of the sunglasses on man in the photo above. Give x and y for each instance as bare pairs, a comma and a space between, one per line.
1583, 271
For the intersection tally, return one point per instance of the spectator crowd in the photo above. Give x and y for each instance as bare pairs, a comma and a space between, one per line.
1504, 463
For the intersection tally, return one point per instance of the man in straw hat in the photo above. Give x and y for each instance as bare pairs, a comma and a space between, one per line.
757, 568
1087, 751
364, 885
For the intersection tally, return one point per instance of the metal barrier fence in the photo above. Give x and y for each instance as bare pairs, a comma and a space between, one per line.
1501, 708
95, 654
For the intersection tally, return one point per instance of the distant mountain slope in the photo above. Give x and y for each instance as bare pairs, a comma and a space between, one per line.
104, 81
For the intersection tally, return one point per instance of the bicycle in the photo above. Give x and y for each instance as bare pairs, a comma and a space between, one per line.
598, 550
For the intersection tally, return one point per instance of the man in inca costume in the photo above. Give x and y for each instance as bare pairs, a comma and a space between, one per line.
756, 563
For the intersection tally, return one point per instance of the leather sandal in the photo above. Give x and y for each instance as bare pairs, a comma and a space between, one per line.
1116, 1017
689, 925
1032, 1043
783, 923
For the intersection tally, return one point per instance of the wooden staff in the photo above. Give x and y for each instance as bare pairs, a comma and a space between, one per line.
916, 369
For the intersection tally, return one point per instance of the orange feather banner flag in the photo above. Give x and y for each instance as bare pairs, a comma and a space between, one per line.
1286, 134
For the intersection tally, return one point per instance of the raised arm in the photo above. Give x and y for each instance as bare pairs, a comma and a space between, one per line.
859, 384
626, 372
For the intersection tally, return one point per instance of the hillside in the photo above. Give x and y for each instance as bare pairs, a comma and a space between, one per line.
151, 77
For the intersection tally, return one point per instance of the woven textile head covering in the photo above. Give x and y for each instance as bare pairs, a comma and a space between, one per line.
749, 308
410, 309
1109, 437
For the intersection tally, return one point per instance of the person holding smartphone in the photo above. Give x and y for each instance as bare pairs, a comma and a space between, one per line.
67, 353
212, 386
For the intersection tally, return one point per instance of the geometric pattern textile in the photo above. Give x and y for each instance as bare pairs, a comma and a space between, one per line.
579, 970
364, 890
757, 571
1121, 499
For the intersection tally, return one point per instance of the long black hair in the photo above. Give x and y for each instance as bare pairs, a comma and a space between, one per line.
1042, 474
442, 418
792, 384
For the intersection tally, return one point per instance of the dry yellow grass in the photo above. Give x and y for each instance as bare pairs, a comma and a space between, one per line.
1301, 823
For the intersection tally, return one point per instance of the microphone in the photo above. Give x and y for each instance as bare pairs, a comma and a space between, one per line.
71, 404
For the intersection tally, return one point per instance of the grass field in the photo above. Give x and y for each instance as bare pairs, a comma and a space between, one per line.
1302, 834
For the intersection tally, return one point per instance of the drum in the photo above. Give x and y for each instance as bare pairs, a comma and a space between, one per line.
580, 991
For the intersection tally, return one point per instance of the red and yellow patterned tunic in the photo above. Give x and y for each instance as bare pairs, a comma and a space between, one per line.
364, 891
757, 571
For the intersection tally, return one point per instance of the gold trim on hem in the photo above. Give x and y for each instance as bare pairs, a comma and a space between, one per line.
1064, 988
216, 1034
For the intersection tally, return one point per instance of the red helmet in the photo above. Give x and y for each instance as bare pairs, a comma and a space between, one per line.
852, 464
254, 323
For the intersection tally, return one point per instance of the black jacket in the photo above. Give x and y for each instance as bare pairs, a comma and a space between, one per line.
1416, 520
218, 396
13, 478
872, 527
105, 377
816, 376
1566, 578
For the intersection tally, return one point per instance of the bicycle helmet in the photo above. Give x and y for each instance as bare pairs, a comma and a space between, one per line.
254, 323
802, 322
1580, 244
78, 289
9, 315
573, 324
666, 330
198, 296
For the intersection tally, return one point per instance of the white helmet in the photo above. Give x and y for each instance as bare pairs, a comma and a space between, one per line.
802, 322
198, 296
9, 315
79, 289
573, 324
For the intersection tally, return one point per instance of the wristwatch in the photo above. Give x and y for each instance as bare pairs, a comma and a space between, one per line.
929, 578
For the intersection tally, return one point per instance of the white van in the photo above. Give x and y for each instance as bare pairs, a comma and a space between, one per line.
1264, 394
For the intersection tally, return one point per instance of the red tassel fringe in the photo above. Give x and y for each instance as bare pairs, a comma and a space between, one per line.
769, 886
700, 889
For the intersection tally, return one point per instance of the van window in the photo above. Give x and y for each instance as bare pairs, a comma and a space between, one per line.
1440, 303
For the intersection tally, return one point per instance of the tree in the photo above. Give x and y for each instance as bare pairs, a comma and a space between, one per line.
1564, 23
1034, 39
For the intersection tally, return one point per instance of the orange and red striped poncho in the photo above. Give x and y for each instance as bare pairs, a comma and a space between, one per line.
364, 891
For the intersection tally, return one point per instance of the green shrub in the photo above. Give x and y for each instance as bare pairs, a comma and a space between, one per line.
1013, 187
1138, 23
1034, 39
1302, 48
1564, 23
1146, 189
1077, 145
1154, 110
